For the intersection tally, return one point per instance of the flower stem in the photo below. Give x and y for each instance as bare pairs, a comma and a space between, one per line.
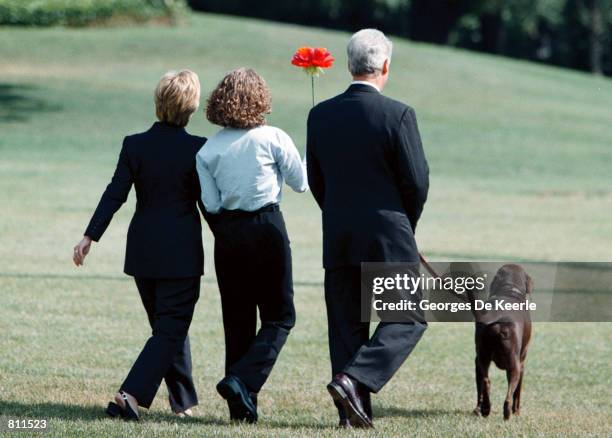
312, 86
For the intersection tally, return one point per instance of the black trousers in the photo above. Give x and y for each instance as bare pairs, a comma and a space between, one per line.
372, 361
253, 266
166, 355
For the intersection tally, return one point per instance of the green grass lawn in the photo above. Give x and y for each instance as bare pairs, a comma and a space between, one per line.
521, 165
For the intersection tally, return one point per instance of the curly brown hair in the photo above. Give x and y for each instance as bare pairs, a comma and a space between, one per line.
241, 100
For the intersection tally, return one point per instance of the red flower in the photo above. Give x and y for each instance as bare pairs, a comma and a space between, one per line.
312, 59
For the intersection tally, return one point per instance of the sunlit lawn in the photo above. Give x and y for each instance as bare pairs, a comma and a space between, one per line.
520, 163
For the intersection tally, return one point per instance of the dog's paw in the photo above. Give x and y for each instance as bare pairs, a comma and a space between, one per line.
476, 411
485, 409
507, 411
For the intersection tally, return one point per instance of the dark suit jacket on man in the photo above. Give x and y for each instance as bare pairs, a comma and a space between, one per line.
165, 235
368, 173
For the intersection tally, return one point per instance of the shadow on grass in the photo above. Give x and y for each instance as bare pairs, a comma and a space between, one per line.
67, 412
387, 412
19, 102
417, 413
110, 277
299, 425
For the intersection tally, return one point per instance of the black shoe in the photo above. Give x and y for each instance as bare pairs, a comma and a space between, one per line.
239, 400
235, 413
366, 399
126, 411
113, 410
342, 420
345, 391
344, 424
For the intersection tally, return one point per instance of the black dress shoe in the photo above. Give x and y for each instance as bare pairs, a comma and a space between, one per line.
239, 400
344, 423
345, 391
366, 399
235, 414
113, 410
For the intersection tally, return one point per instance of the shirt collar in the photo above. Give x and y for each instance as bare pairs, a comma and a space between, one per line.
365, 83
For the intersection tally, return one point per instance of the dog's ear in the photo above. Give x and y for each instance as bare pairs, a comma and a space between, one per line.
528, 284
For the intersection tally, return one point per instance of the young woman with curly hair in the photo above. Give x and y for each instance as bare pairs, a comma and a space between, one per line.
242, 169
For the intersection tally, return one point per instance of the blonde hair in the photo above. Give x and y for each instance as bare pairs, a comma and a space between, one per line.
177, 97
241, 100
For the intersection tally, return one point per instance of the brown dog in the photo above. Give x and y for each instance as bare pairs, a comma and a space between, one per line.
502, 336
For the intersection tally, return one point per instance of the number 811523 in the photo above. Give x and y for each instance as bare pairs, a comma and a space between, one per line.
26, 424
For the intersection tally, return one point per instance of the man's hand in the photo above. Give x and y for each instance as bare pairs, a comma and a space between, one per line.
81, 250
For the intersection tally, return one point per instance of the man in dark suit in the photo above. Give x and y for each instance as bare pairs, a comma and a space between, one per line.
368, 173
164, 250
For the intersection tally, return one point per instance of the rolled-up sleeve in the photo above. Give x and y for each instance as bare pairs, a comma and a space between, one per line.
289, 162
210, 193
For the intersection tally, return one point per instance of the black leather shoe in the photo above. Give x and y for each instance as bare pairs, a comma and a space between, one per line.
345, 391
113, 410
366, 400
344, 424
127, 412
239, 400
235, 414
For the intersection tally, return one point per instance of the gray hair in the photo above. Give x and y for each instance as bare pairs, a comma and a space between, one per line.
367, 51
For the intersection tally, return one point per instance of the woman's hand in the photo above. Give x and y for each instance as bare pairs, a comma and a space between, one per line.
81, 250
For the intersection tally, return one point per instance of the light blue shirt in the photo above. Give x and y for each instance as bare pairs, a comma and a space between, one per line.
244, 169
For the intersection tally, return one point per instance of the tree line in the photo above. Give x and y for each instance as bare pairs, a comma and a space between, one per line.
570, 33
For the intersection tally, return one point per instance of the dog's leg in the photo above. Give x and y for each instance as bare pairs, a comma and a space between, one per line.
516, 402
514, 375
485, 398
479, 385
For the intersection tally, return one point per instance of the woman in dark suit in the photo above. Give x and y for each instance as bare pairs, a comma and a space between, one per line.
164, 244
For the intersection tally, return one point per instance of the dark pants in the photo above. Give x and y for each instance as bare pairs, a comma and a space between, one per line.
253, 265
166, 355
372, 361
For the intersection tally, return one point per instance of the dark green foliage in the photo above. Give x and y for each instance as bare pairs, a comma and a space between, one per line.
570, 33
339, 14
83, 12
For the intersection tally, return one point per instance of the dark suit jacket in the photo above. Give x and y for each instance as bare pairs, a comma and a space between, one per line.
368, 173
165, 235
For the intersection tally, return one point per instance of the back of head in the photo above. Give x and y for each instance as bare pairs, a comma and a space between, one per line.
241, 100
367, 52
177, 97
